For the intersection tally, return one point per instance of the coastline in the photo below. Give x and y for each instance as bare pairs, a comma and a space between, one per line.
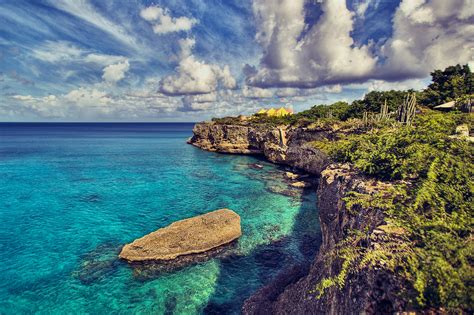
373, 290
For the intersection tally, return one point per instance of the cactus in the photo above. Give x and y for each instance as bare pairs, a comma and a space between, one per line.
384, 111
464, 103
384, 114
329, 114
365, 119
406, 112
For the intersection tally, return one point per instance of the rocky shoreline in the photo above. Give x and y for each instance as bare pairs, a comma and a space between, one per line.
371, 291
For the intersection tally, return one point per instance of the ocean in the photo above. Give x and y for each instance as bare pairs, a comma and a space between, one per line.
72, 194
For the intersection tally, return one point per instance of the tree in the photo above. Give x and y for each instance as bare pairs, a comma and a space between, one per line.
374, 100
337, 110
448, 85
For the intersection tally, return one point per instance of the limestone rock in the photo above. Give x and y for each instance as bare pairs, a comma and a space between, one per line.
189, 236
301, 184
277, 144
291, 175
462, 130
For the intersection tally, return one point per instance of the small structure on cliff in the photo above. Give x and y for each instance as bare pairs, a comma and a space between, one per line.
446, 106
272, 112
189, 236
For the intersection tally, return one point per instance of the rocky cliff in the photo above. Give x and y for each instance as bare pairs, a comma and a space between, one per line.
293, 292
277, 144
371, 291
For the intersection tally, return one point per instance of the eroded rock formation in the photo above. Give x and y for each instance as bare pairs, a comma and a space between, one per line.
277, 144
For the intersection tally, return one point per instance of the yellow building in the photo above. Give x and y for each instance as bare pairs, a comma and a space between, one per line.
283, 112
272, 112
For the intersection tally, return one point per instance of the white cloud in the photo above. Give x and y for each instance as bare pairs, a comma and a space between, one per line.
254, 92
24, 98
380, 85
57, 51
285, 92
116, 72
196, 77
66, 52
362, 7
92, 103
336, 88
46, 106
324, 55
164, 23
202, 98
102, 59
429, 35
193, 106
86, 11
88, 97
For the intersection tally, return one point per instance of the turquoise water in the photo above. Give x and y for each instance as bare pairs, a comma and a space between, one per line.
72, 194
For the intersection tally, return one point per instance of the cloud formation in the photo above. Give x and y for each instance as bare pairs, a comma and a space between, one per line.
84, 10
164, 23
116, 72
95, 60
256, 93
195, 77
326, 53
426, 35
87, 103
66, 52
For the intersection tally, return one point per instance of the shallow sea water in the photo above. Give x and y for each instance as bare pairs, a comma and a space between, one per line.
72, 194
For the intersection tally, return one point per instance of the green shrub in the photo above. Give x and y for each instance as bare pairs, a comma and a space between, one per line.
448, 85
436, 208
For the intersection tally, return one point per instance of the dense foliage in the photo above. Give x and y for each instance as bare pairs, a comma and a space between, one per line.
453, 83
373, 101
448, 85
432, 203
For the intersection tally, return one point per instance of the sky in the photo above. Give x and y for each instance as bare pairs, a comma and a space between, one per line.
191, 60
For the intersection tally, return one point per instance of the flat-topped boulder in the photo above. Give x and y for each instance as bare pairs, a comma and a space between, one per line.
189, 236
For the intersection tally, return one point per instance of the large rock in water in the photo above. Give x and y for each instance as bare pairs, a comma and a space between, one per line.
189, 236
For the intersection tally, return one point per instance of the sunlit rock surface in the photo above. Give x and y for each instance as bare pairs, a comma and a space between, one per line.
189, 236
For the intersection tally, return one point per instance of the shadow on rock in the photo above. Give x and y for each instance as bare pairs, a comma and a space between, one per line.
149, 270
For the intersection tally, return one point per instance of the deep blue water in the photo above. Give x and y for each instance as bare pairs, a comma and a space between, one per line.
72, 194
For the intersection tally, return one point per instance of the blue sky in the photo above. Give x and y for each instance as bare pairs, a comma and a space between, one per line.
89, 60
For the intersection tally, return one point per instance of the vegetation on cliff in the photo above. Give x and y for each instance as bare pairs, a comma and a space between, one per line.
429, 207
455, 83
431, 201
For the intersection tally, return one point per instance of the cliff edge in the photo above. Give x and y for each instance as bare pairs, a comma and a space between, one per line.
295, 291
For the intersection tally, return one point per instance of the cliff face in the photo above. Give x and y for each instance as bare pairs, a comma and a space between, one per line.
370, 291
293, 292
277, 144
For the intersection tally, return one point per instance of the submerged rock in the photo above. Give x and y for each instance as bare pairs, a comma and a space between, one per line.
98, 264
147, 270
189, 236
256, 166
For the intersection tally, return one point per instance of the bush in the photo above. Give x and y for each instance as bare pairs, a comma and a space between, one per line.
435, 210
448, 85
